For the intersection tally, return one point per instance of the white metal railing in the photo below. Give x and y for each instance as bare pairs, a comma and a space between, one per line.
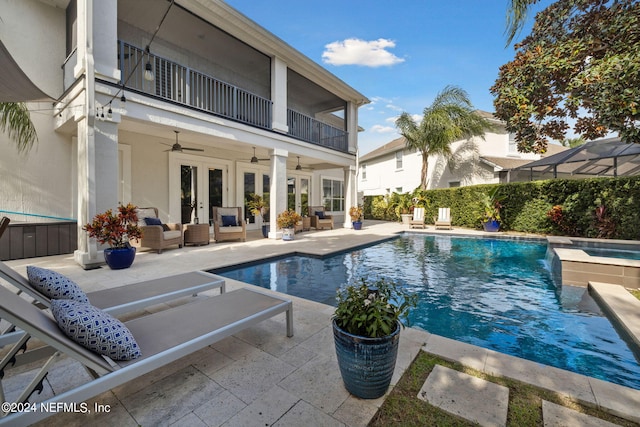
314, 131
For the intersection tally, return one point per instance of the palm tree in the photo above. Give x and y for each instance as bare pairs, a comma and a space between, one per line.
449, 118
516, 17
16, 122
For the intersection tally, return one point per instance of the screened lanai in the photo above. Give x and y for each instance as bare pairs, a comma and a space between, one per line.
605, 157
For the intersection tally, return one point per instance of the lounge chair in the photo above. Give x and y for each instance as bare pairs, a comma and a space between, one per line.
228, 224
162, 338
443, 220
418, 218
319, 219
127, 298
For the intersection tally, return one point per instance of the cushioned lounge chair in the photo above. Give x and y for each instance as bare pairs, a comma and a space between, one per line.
319, 219
162, 338
159, 235
443, 220
418, 218
127, 298
228, 224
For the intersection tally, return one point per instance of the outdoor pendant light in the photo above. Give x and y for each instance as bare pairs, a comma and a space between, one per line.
148, 69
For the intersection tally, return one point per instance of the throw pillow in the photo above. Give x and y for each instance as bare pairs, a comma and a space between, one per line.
152, 221
54, 285
319, 214
94, 329
229, 221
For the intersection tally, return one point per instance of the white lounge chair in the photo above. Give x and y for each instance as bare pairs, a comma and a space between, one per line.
443, 220
162, 338
418, 218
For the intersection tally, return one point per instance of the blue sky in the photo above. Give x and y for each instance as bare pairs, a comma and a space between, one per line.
398, 54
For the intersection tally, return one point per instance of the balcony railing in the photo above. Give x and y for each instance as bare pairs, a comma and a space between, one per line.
182, 85
314, 131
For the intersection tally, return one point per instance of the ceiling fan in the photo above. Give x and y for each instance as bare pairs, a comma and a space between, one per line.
179, 148
299, 166
254, 159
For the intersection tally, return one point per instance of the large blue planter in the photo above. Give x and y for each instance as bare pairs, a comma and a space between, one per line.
491, 226
119, 258
366, 364
357, 225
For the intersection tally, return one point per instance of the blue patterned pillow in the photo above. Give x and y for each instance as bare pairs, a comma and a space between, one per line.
55, 285
94, 329
229, 221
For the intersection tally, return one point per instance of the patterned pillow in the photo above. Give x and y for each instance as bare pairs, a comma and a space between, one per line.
229, 221
55, 285
94, 329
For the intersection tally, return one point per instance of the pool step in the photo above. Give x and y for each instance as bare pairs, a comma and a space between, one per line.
621, 307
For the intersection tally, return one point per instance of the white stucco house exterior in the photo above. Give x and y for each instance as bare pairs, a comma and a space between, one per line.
393, 168
113, 84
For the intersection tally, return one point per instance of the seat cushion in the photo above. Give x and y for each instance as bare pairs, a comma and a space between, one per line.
54, 285
94, 329
172, 234
231, 229
229, 221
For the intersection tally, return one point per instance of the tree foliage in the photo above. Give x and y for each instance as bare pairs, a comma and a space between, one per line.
16, 122
579, 65
451, 117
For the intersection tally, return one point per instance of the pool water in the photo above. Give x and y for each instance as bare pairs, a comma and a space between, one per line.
613, 253
493, 293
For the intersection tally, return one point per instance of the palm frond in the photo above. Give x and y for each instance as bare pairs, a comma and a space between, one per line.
16, 122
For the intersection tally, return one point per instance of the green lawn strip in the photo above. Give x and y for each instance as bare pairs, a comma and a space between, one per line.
635, 292
403, 408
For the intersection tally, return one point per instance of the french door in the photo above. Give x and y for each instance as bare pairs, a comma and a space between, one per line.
298, 193
196, 185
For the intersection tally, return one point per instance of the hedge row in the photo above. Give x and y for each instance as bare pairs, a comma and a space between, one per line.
595, 207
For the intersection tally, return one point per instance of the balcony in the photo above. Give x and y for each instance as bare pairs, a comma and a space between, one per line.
181, 85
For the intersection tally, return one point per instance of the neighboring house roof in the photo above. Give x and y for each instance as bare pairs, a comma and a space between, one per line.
389, 147
503, 162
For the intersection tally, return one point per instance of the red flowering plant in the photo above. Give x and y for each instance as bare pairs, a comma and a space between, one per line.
115, 230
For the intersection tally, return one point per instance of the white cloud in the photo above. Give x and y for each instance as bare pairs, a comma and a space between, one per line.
382, 129
354, 51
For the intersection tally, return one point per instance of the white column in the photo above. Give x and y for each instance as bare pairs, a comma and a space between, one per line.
279, 95
278, 194
350, 193
352, 126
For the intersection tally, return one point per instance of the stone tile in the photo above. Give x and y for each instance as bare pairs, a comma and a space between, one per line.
297, 356
319, 383
219, 409
252, 375
304, 414
265, 410
456, 351
171, 398
539, 375
189, 420
618, 400
357, 412
559, 416
234, 348
465, 396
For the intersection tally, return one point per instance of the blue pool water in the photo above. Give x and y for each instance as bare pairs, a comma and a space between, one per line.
494, 293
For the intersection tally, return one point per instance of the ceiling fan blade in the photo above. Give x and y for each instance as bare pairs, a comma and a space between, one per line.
192, 149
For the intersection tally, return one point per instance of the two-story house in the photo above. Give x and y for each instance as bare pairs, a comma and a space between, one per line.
393, 168
172, 104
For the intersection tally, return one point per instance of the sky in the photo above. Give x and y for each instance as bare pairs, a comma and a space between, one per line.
399, 55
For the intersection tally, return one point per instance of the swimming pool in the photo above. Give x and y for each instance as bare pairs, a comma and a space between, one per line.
494, 293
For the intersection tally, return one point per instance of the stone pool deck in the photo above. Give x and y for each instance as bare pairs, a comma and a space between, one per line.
260, 377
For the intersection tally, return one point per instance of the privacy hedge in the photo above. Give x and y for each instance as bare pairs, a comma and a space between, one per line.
596, 207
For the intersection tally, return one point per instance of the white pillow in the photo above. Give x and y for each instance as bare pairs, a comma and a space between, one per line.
94, 329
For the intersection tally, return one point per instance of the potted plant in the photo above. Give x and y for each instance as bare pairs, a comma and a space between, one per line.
259, 207
401, 204
357, 214
287, 221
491, 204
366, 331
116, 231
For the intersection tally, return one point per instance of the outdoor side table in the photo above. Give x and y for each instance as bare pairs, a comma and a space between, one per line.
306, 223
196, 234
